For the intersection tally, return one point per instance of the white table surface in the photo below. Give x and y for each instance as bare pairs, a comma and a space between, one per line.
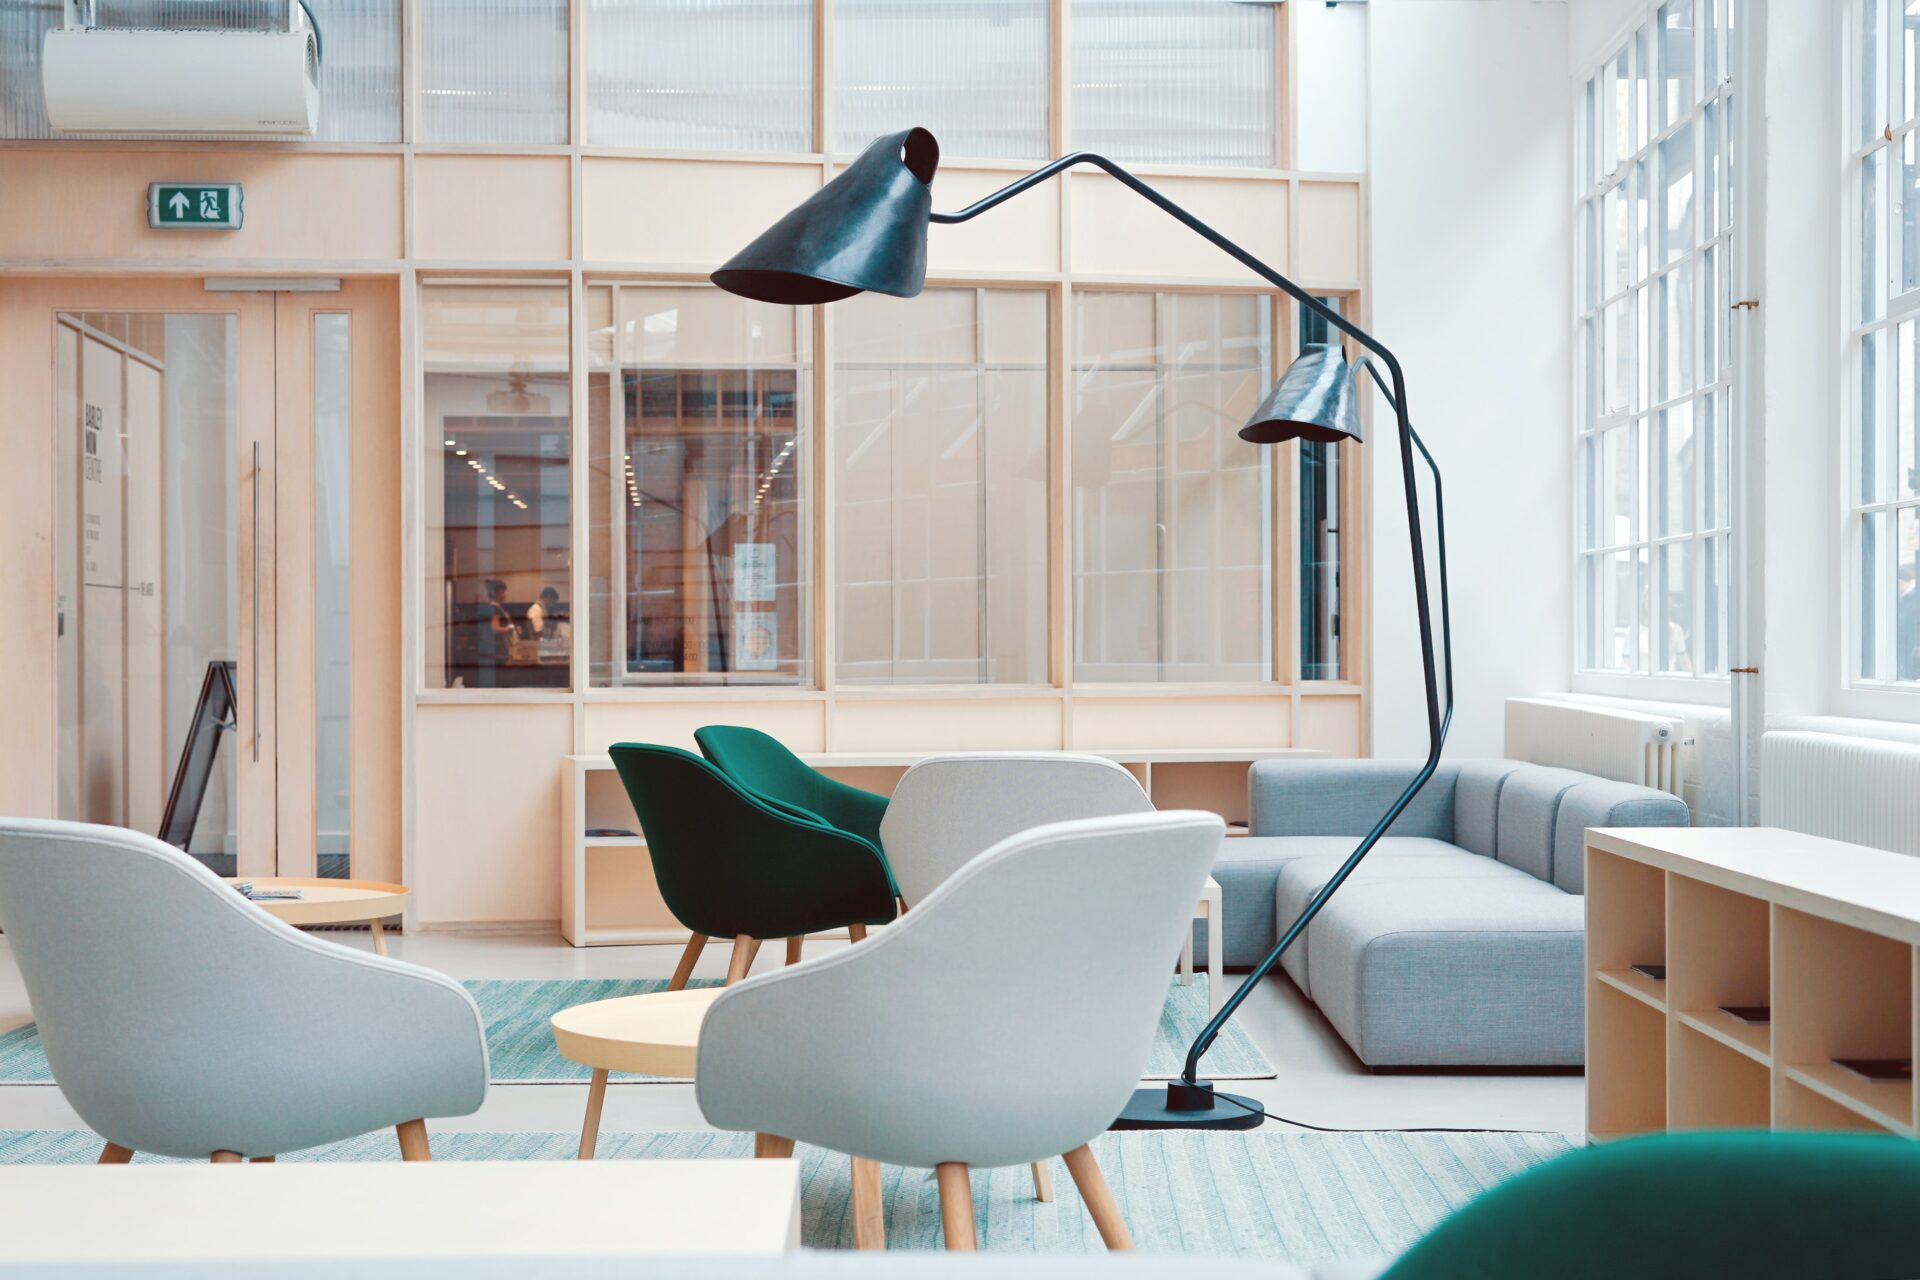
501, 1208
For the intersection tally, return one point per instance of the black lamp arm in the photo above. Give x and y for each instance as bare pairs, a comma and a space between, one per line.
1396, 395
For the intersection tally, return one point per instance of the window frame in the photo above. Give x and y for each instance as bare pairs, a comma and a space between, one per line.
1712, 332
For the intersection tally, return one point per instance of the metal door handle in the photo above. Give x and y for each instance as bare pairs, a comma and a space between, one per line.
256, 602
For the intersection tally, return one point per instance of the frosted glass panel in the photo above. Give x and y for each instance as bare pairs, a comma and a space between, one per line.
1174, 81
972, 71
493, 71
659, 74
359, 68
940, 467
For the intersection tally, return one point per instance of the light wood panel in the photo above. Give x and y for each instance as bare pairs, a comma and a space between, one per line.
492, 208
1331, 230
1021, 236
637, 210
1115, 232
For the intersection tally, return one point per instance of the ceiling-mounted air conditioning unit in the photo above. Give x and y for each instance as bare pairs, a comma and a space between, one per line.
168, 81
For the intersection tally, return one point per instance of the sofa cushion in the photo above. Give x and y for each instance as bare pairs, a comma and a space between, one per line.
1247, 870
1391, 859
1600, 803
1529, 807
1461, 972
1338, 797
1476, 803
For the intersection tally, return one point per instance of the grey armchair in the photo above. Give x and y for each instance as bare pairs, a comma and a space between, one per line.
180, 1019
896, 1052
948, 809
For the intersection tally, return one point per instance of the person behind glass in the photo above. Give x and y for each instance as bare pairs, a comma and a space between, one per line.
497, 636
544, 617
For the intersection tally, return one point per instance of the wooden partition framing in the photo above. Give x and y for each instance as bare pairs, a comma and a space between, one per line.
482, 772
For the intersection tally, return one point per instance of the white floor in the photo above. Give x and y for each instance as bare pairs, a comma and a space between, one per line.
1319, 1083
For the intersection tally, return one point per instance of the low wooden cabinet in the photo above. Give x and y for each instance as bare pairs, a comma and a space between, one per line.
608, 896
1822, 935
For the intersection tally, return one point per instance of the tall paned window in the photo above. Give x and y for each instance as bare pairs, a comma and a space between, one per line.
1654, 391
699, 504
940, 488
1321, 515
1882, 287
1171, 513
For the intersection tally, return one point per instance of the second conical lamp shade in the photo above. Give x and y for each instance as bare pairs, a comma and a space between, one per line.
1314, 400
864, 231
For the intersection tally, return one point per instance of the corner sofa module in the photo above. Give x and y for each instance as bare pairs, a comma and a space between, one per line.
1458, 941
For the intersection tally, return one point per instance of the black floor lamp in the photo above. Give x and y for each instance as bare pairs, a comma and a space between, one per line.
867, 231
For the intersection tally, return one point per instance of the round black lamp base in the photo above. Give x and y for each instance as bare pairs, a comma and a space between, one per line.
1189, 1106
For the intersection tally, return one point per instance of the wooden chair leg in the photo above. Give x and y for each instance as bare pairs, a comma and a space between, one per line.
263, 1160
1099, 1200
956, 1206
857, 932
114, 1153
767, 1146
413, 1140
793, 949
1042, 1182
226, 1157
744, 950
596, 1099
695, 945
869, 1210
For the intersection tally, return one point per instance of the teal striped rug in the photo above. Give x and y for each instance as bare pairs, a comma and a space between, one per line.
1304, 1198
520, 1042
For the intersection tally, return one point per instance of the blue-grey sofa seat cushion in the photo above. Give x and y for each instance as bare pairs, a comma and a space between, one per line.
1396, 860
1465, 972
1246, 870
1597, 802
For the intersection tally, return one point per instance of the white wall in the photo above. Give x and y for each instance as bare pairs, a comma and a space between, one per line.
1469, 109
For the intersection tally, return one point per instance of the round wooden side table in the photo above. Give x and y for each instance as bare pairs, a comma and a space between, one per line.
325, 901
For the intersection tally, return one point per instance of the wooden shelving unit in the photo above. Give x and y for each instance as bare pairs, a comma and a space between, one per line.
1825, 935
607, 892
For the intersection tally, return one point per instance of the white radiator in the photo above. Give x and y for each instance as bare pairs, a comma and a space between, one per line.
1627, 746
1861, 790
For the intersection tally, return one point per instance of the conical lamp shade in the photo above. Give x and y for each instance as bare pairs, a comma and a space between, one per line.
1314, 400
864, 231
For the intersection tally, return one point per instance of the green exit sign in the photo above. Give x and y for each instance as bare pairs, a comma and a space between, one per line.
194, 206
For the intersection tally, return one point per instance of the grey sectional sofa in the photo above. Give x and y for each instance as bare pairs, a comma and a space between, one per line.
1458, 941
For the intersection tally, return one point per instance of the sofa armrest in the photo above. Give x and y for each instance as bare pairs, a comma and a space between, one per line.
1601, 803
1345, 798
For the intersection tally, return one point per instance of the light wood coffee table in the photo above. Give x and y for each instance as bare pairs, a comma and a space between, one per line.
333, 902
659, 1035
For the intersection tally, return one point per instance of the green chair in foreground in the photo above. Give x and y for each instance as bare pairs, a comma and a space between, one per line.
731, 865
1753, 1204
758, 762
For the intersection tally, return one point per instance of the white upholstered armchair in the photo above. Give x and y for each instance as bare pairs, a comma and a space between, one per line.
1006, 1018
182, 1020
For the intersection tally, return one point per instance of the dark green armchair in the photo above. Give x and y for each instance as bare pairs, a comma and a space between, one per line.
1758, 1205
759, 762
731, 865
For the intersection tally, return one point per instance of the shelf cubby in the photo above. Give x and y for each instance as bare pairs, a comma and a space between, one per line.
1711, 1085
1824, 936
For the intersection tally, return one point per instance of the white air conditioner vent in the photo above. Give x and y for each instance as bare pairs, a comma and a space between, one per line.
235, 74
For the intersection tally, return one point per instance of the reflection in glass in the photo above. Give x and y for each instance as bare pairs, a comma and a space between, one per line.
940, 476
1171, 514
145, 435
1174, 81
1321, 472
972, 71
332, 591
699, 501
498, 498
656, 77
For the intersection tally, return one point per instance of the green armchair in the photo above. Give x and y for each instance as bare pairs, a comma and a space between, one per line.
759, 762
731, 865
1753, 1204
